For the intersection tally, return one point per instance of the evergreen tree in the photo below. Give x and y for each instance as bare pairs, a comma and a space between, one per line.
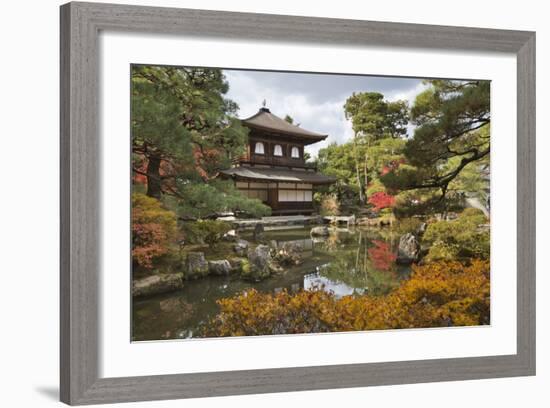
184, 131
373, 119
452, 134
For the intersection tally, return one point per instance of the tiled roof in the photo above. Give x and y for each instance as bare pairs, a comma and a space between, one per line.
278, 174
265, 120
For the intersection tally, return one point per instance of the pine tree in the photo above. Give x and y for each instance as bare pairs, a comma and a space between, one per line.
184, 131
452, 121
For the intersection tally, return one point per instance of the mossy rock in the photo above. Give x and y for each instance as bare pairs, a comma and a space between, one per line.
258, 264
196, 266
156, 284
219, 268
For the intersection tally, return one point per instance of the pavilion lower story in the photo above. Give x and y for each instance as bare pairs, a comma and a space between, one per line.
282, 197
287, 192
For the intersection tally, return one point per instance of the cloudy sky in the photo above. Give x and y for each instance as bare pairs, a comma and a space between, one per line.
315, 101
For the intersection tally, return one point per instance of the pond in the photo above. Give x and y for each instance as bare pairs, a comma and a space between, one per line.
348, 262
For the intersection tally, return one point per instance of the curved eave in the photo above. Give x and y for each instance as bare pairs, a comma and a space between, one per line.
280, 175
308, 138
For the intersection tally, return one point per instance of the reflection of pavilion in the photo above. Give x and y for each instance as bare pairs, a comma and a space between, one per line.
306, 244
294, 281
312, 280
315, 280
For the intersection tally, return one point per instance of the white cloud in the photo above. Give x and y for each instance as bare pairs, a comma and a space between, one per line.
408, 94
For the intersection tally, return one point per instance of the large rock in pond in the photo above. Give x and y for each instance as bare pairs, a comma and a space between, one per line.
259, 260
220, 268
321, 231
409, 249
241, 247
155, 284
196, 265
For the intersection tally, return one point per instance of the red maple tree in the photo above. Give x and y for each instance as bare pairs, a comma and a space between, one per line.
381, 200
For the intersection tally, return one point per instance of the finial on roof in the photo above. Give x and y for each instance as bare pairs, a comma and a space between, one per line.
263, 108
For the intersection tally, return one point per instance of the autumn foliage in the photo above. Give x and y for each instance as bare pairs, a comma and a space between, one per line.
381, 200
437, 295
153, 229
383, 258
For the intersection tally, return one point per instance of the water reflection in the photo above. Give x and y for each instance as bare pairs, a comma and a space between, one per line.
315, 281
348, 262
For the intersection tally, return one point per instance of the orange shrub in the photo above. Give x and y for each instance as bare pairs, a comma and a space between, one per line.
153, 229
437, 295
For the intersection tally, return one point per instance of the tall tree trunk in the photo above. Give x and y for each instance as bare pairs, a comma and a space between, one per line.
366, 170
361, 197
366, 177
153, 177
358, 171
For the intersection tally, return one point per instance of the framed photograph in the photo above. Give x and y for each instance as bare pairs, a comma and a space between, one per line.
261, 203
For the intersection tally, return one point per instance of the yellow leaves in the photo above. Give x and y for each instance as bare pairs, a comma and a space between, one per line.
330, 205
437, 295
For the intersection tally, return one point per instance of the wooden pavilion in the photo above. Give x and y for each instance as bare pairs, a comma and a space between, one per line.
274, 169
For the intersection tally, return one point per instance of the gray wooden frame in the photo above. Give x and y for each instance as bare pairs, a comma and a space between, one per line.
80, 234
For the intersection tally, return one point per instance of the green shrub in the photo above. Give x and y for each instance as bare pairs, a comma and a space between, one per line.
218, 196
205, 231
405, 225
461, 238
